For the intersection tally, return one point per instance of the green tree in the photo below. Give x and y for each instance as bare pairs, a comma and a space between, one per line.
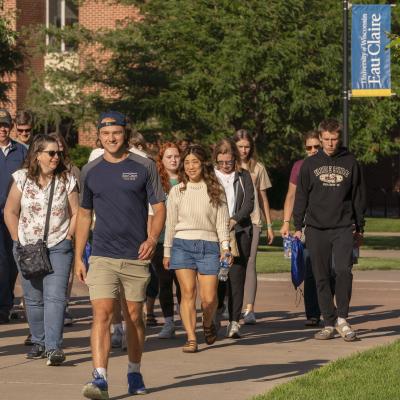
11, 55
208, 67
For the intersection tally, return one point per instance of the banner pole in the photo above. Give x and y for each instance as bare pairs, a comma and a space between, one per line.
345, 73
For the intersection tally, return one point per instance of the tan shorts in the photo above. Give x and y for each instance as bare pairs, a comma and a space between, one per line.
108, 277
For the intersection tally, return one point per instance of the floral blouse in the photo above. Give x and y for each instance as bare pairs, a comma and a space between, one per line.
34, 203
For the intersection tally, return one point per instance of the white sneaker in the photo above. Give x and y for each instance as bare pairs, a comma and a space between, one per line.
233, 330
249, 318
116, 338
167, 331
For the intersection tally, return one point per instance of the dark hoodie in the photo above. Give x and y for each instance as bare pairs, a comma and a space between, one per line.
330, 192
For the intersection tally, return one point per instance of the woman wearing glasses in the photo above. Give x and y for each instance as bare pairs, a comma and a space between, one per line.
239, 192
313, 314
25, 216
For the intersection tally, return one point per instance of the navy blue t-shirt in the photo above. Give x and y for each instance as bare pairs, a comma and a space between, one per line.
119, 194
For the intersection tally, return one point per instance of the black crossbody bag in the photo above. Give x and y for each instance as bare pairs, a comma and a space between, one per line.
33, 259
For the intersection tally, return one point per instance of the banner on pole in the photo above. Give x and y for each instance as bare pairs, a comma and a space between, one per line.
370, 57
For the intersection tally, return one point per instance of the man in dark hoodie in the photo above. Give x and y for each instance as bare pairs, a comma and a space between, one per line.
330, 195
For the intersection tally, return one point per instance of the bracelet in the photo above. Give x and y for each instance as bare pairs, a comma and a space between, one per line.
286, 220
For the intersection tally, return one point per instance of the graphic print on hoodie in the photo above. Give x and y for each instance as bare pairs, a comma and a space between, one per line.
330, 192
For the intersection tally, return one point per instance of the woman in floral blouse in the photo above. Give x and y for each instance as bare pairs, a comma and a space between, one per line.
25, 215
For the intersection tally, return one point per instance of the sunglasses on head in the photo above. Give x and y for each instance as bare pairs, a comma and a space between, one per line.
52, 153
24, 130
316, 147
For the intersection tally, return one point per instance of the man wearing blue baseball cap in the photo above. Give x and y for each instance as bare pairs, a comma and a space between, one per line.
118, 187
12, 155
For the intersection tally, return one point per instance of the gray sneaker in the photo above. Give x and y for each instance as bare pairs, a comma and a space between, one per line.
233, 330
249, 318
167, 331
117, 337
55, 357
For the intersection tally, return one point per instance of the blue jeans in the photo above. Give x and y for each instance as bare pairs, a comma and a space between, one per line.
8, 269
45, 298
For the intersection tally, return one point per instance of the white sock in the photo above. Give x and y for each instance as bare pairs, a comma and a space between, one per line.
133, 367
341, 321
169, 320
117, 327
102, 372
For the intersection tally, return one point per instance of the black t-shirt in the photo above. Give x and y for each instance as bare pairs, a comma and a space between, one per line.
119, 194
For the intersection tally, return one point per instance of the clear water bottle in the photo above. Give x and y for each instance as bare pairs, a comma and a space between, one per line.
287, 246
224, 269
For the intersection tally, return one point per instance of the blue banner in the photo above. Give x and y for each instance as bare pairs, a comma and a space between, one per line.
370, 58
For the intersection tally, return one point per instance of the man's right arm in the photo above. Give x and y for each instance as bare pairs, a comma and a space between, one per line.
301, 197
83, 223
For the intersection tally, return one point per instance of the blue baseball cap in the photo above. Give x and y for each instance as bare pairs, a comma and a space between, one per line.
118, 119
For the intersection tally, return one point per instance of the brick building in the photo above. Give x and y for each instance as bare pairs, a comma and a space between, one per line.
92, 14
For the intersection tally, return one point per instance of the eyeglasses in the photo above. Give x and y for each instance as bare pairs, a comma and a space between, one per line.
229, 163
316, 147
24, 130
53, 153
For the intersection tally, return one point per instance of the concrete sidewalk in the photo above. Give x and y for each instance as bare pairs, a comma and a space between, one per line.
275, 350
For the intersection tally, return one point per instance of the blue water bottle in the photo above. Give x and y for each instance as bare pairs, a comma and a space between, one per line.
224, 269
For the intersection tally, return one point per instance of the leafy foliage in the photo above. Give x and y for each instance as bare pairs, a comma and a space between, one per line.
209, 67
11, 55
79, 155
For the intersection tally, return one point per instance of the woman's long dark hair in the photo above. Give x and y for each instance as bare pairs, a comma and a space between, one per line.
243, 134
214, 189
31, 163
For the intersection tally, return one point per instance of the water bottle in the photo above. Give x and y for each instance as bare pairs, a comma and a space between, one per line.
287, 246
224, 269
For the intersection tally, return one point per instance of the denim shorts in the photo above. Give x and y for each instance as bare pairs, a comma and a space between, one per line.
200, 255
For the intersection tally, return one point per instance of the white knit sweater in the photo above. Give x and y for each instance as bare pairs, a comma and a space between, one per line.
191, 216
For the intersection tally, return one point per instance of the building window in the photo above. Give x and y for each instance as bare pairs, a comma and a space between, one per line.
61, 14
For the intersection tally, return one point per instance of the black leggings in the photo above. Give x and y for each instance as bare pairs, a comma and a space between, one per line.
165, 281
237, 276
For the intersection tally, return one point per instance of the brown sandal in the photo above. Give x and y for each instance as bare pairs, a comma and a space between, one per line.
210, 333
190, 347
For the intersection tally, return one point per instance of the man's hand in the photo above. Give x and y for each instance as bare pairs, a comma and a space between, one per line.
147, 249
166, 263
232, 224
285, 229
270, 235
80, 270
358, 238
297, 235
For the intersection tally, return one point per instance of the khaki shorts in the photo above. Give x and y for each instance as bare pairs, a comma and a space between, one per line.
107, 278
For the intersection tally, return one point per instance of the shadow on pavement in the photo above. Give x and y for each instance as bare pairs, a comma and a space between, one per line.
259, 373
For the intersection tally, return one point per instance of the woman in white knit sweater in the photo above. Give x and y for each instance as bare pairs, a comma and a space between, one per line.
197, 228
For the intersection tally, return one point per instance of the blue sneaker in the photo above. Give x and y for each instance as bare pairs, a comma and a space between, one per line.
136, 384
97, 389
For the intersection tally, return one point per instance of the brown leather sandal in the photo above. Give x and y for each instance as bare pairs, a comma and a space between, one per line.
190, 347
210, 333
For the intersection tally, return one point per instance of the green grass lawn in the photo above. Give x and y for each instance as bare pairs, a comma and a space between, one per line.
371, 375
382, 225
370, 243
273, 261
371, 225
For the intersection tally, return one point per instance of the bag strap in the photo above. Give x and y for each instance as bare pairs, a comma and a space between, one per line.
46, 226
